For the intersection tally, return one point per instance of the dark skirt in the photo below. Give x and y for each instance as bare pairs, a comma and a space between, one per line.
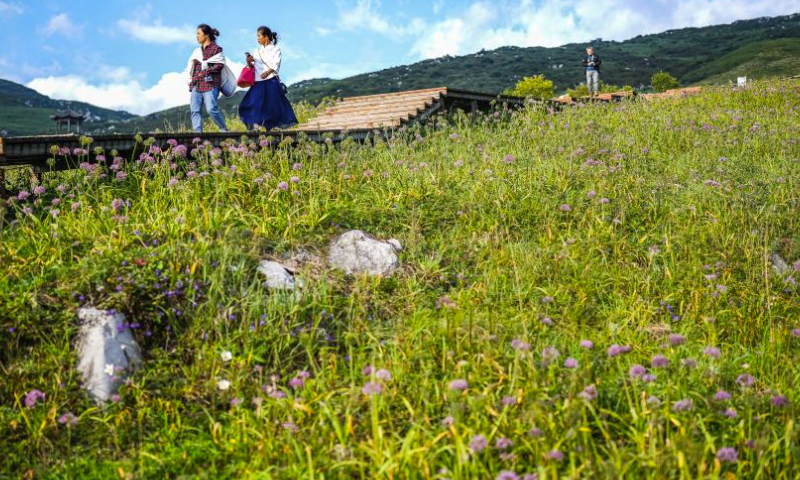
265, 104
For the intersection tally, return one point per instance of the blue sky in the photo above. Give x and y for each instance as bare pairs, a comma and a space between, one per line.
128, 54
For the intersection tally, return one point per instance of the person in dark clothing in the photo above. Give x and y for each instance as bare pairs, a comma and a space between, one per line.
591, 63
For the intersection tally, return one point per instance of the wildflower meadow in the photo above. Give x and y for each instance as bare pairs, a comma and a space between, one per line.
608, 291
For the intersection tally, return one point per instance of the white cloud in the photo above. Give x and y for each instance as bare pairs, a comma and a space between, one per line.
62, 25
365, 16
119, 90
550, 23
156, 32
10, 9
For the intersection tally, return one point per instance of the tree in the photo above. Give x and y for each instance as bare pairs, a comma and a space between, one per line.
663, 81
536, 87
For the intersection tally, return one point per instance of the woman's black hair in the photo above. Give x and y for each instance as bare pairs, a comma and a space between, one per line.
267, 32
213, 33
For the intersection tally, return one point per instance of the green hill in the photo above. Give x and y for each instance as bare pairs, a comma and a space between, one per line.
770, 58
757, 48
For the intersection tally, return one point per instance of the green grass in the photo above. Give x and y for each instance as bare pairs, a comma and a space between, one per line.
669, 251
760, 60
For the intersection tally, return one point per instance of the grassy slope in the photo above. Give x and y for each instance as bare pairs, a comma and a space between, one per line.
492, 236
771, 58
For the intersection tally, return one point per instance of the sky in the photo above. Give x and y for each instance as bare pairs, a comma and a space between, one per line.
129, 54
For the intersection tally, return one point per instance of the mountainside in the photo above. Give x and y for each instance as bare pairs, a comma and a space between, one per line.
24, 111
757, 48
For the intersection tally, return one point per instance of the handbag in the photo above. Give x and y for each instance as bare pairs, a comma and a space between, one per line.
247, 78
284, 88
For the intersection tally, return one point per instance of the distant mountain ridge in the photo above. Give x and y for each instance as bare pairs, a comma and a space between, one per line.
760, 47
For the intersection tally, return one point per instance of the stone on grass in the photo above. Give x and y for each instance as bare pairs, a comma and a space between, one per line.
357, 253
780, 266
278, 277
107, 352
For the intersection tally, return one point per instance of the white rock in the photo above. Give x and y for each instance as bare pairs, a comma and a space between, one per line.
780, 266
357, 253
107, 354
278, 276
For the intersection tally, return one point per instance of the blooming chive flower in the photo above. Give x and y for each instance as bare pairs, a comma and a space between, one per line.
458, 385
556, 455
383, 374
676, 340
503, 443
728, 455
648, 378
549, 354
683, 405
69, 419
519, 345
39, 190
283, 186
33, 397
712, 352
722, 396
637, 371
779, 401
372, 388
478, 443
589, 393
509, 401
565, 208
535, 432
570, 363
745, 380
507, 475
659, 361
617, 350
587, 344
731, 413
796, 331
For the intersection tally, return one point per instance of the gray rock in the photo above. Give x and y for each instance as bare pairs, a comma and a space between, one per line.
357, 253
278, 277
107, 353
780, 266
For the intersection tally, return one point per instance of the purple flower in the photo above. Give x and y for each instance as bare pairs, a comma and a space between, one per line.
779, 401
172, 182
535, 432
587, 344
589, 393
648, 378
478, 444
722, 396
32, 397
683, 405
458, 385
731, 413
676, 340
283, 186
565, 208
745, 380
728, 455
295, 180
637, 371
383, 374
591, 194
509, 401
507, 475
372, 388
503, 443
448, 421
530, 476
39, 190
519, 345
712, 352
617, 350
570, 363
549, 354
508, 159
367, 370
556, 455
659, 361
296, 382
796, 331
69, 419
548, 321
23, 195
297, 166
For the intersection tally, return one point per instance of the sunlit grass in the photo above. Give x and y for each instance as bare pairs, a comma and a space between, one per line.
615, 224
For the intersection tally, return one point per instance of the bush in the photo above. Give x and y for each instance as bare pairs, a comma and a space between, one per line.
583, 91
663, 81
537, 87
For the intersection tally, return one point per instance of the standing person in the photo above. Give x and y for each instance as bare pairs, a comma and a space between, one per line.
206, 78
265, 104
591, 62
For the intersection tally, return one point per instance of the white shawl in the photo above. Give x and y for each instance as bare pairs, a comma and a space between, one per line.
229, 80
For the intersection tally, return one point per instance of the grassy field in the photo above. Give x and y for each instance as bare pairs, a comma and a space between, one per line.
583, 295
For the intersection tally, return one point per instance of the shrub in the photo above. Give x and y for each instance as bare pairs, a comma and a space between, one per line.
537, 87
663, 81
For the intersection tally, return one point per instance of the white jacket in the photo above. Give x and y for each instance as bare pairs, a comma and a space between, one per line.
229, 80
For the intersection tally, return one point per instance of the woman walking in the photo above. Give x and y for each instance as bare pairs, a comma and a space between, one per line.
265, 104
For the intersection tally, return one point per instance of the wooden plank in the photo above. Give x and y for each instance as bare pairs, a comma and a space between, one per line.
397, 94
386, 107
1, 148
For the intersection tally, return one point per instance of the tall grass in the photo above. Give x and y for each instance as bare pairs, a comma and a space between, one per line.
528, 238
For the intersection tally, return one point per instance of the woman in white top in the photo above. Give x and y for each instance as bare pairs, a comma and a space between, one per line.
265, 104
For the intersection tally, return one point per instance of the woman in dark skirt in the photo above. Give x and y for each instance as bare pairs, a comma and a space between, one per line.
265, 104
